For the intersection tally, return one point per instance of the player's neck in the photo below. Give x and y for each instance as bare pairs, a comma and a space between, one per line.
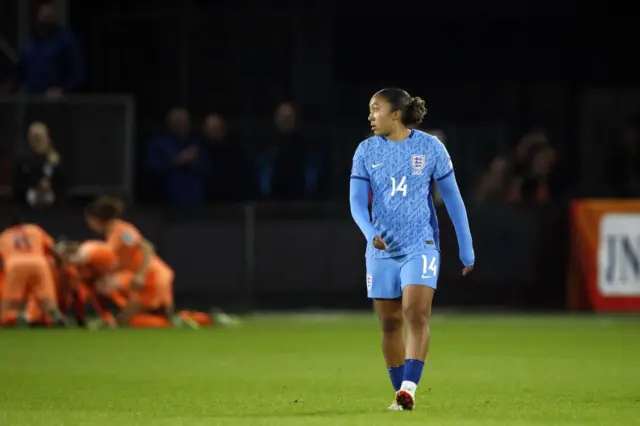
399, 135
109, 226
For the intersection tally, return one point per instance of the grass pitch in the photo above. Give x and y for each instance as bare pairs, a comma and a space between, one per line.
305, 370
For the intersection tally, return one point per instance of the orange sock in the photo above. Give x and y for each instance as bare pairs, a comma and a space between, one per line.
33, 313
37, 317
40, 320
10, 319
149, 321
200, 318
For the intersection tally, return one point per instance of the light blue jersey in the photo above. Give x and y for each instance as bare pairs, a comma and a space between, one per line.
401, 176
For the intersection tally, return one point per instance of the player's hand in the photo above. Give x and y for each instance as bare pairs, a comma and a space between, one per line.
467, 270
379, 243
137, 282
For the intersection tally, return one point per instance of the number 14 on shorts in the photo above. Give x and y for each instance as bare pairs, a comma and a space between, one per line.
429, 266
387, 277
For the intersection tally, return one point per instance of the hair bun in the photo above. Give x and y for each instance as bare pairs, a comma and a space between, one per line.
416, 110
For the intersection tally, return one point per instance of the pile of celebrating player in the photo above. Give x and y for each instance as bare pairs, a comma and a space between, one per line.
54, 284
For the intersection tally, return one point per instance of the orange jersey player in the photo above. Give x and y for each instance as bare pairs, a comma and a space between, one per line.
1, 281
92, 261
10, 317
148, 278
62, 279
156, 303
96, 262
24, 249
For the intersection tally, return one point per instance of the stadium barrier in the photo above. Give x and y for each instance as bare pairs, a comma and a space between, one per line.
311, 255
604, 271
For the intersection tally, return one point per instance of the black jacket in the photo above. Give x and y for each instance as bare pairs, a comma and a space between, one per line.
29, 170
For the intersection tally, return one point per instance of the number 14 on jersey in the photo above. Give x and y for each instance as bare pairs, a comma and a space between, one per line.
399, 186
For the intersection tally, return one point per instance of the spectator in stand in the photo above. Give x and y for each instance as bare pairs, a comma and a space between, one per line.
530, 174
176, 161
494, 182
540, 182
232, 178
36, 177
294, 166
51, 61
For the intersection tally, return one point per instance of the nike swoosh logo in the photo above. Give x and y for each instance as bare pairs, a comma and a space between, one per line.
376, 165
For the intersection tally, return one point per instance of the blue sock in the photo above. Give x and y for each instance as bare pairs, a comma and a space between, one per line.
396, 374
413, 370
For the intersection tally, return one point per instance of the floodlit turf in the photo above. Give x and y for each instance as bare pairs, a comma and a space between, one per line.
484, 370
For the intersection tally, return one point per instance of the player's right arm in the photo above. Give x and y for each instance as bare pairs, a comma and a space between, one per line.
359, 195
450, 192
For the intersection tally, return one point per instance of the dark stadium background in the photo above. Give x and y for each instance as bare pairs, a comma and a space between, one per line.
490, 73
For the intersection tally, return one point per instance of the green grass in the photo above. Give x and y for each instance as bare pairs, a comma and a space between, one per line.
483, 370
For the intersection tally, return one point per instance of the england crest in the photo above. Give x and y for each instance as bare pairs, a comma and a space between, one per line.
418, 163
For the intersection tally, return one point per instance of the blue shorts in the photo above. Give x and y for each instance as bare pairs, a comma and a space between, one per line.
386, 278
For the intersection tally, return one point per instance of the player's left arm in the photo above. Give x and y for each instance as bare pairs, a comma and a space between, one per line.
452, 198
148, 251
133, 239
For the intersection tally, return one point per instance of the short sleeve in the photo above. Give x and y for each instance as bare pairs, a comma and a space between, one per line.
444, 165
358, 169
123, 236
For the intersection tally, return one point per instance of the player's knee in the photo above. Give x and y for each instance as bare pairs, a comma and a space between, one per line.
416, 316
391, 324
